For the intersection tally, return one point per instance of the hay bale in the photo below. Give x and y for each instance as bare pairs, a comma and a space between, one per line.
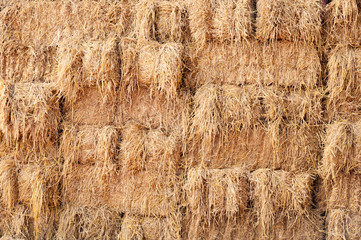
87, 144
88, 223
8, 184
30, 115
342, 145
148, 228
144, 149
91, 109
88, 64
146, 193
343, 83
282, 197
159, 20
157, 66
295, 21
343, 20
23, 63
224, 21
343, 224
156, 111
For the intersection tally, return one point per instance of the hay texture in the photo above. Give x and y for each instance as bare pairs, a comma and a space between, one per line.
8, 184
88, 144
344, 76
223, 21
282, 204
297, 21
144, 149
160, 20
153, 65
343, 22
30, 114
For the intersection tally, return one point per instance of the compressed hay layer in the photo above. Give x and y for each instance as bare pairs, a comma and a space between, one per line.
144, 149
298, 20
91, 109
89, 144
343, 22
342, 148
151, 64
21, 63
279, 196
149, 228
284, 64
155, 111
229, 20
145, 193
343, 224
228, 128
8, 184
93, 63
29, 114
38, 23
343, 84
160, 20
88, 223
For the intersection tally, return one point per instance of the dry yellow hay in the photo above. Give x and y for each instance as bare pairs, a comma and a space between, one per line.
298, 20
343, 224
343, 21
88, 64
343, 83
8, 184
224, 21
278, 196
149, 228
157, 66
88, 223
91, 109
144, 149
21, 63
89, 144
29, 114
159, 20
147, 193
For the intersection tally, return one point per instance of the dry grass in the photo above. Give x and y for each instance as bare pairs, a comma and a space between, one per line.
144, 149
343, 224
343, 19
8, 184
29, 115
296, 21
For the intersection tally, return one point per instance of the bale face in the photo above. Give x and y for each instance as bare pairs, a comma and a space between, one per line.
89, 144
8, 184
29, 115
295, 21
145, 149
343, 224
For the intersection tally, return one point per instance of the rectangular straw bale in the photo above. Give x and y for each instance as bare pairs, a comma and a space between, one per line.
157, 66
30, 114
91, 109
89, 144
343, 224
160, 20
78, 222
297, 21
341, 151
343, 83
221, 20
343, 22
155, 111
149, 228
279, 195
144, 149
146, 193
93, 63
24, 63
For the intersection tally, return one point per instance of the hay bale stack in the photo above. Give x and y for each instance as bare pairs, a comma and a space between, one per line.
224, 21
282, 205
343, 20
296, 21
153, 65
160, 20
30, 115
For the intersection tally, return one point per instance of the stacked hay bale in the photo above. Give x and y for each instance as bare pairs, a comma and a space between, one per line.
257, 107
341, 164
